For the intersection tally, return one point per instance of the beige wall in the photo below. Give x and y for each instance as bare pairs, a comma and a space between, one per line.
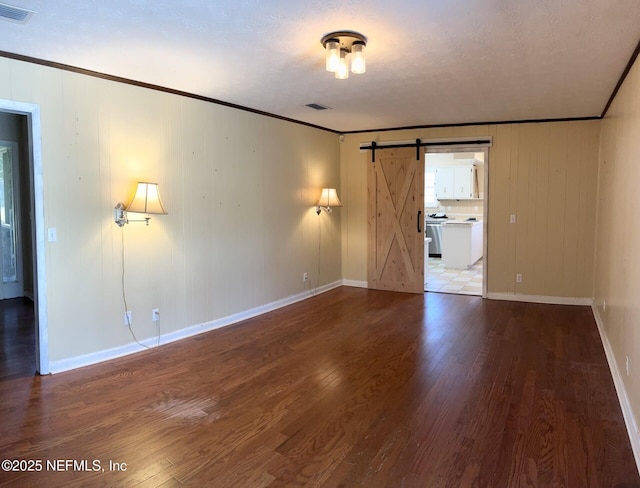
239, 189
617, 273
545, 173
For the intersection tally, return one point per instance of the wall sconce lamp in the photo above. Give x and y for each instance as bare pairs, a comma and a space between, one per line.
328, 198
338, 45
146, 201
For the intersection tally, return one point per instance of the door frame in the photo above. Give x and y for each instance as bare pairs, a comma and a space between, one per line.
34, 156
455, 144
485, 212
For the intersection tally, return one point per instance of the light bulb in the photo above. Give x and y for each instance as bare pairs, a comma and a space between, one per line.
342, 72
333, 54
357, 58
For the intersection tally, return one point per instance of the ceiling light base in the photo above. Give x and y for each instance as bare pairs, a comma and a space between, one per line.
346, 39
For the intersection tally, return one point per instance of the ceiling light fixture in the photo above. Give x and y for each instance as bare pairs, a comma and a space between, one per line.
338, 45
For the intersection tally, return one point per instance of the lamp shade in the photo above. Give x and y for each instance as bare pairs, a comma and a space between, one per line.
147, 200
329, 198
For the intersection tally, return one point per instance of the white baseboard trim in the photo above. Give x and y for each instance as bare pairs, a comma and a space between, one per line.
623, 398
356, 284
514, 297
75, 362
119, 351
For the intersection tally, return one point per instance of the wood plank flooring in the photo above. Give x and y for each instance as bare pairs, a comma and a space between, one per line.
350, 388
17, 338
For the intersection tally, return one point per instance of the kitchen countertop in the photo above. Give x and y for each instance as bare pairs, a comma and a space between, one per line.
462, 222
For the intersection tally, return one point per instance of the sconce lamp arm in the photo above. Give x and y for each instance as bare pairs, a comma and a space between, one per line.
121, 218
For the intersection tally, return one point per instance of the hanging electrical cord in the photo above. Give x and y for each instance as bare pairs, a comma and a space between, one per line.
126, 307
319, 254
314, 291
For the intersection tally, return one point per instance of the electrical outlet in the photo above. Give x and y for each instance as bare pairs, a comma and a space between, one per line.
305, 276
512, 219
627, 365
155, 314
518, 278
128, 318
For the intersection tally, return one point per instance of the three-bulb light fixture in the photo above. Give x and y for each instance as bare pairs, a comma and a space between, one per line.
339, 46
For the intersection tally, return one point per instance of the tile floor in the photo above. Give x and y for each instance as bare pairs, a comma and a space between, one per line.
460, 281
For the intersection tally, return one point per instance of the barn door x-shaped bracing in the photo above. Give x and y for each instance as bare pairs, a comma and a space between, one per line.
395, 184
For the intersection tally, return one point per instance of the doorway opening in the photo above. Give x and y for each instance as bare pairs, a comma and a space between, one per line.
22, 289
455, 212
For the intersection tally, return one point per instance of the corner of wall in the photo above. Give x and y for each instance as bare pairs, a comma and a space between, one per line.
623, 397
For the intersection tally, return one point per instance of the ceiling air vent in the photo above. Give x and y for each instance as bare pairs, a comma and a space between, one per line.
316, 106
15, 14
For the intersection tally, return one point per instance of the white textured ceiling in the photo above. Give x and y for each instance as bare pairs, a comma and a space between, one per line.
429, 62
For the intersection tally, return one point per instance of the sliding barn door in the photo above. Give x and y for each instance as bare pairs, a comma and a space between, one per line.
395, 184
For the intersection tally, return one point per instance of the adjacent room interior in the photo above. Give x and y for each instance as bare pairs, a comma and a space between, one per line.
241, 247
454, 194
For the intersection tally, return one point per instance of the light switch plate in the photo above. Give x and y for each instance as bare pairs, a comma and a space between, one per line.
52, 235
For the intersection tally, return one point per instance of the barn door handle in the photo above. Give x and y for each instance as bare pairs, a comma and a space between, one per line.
419, 214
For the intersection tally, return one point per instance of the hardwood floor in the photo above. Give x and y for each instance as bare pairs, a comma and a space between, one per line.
17, 338
349, 388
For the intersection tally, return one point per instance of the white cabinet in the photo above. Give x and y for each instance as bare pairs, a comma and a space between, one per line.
464, 180
445, 182
456, 182
461, 244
